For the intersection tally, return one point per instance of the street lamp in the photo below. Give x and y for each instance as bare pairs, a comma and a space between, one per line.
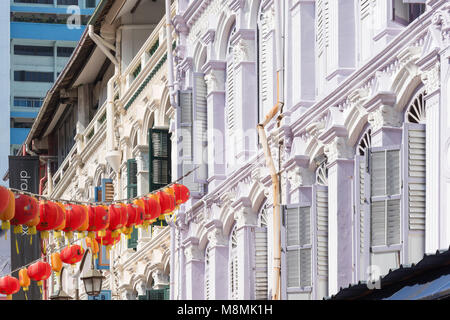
61, 294
92, 278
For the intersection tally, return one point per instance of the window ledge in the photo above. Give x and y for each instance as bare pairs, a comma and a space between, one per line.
391, 248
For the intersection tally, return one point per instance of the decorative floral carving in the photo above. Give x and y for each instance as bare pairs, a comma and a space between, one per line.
431, 78
385, 116
338, 149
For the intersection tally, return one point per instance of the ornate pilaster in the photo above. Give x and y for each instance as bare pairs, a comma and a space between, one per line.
194, 269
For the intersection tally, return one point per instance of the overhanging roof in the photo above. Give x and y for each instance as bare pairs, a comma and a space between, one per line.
429, 272
70, 73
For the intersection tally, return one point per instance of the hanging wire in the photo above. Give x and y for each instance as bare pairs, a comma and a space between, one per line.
101, 202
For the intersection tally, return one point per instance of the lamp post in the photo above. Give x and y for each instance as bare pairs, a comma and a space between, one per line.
92, 278
61, 294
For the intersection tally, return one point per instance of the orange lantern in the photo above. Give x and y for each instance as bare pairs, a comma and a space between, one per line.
7, 213
75, 217
167, 202
56, 262
4, 198
117, 219
107, 239
51, 216
182, 193
24, 279
39, 271
26, 210
9, 286
93, 244
98, 220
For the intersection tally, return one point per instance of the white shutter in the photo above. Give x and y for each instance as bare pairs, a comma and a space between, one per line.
234, 277
185, 99
298, 255
261, 263
322, 230
230, 94
322, 25
201, 122
207, 276
385, 197
416, 176
266, 62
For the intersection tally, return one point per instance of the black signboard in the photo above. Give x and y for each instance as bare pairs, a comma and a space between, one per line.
24, 176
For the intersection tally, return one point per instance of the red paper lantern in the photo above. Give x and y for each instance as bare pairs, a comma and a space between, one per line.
7, 207
26, 210
167, 202
39, 271
98, 219
75, 216
182, 193
118, 218
135, 215
9, 286
72, 254
52, 217
153, 206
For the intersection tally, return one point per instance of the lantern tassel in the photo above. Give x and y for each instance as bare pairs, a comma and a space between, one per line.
9, 297
31, 240
6, 225
6, 235
17, 247
26, 297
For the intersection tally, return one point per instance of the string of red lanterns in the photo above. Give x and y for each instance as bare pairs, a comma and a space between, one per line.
96, 223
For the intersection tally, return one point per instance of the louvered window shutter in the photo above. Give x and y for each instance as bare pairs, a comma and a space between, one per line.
322, 25
230, 94
132, 193
385, 196
322, 230
233, 267
266, 63
261, 263
298, 253
185, 98
160, 154
207, 276
416, 175
201, 127
107, 190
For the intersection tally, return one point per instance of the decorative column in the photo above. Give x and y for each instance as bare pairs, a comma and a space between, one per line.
194, 270
340, 165
246, 221
301, 38
141, 286
246, 98
141, 154
215, 80
218, 258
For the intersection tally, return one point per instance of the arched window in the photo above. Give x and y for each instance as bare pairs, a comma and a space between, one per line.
261, 256
230, 114
233, 266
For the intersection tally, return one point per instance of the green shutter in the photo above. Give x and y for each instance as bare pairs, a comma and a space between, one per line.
167, 293
155, 294
132, 193
160, 154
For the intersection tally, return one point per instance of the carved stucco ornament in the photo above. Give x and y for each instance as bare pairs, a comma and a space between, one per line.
384, 116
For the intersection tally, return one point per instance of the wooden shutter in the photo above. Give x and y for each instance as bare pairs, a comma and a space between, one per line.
160, 154
185, 98
207, 276
322, 230
261, 263
132, 193
201, 128
385, 196
416, 175
131, 178
298, 243
98, 194
107, 190
230, 94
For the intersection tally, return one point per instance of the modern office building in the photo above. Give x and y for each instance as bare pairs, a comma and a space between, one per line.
43, 36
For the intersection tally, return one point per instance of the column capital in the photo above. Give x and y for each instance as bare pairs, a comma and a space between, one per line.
192, 252
432, 78
384, 116
244, 217
338, 149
